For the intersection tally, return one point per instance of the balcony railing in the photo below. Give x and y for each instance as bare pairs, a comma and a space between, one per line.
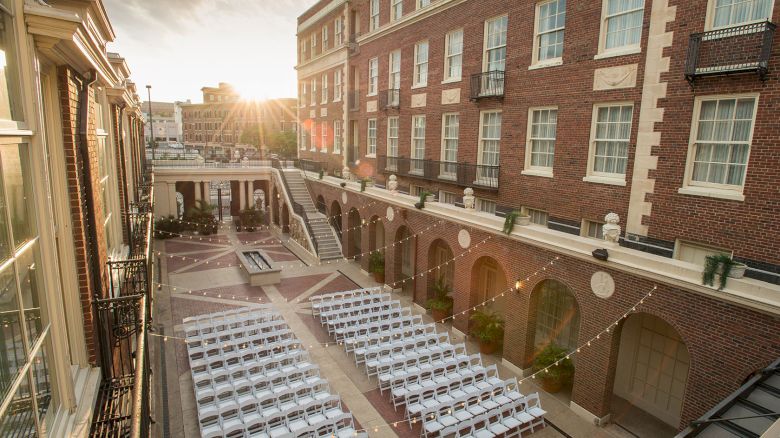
462, 174
739, 49
488, 84
390, 99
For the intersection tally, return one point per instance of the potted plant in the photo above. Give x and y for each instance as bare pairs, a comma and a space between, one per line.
560, 371
202, 218
514, 218
250, 218
322, 174
343, 184
489, 329
376, 264
423, 197
724, 267
441, 303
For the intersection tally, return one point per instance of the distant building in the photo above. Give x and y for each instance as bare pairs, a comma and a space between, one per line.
166, 122
214, 127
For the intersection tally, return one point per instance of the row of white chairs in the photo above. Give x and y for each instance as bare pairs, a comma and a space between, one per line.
260, 327
388, 381
219, 325
457, 384
332, 307
293, 356
318, 300
239, 345
476, 401
216, 316
366, 339
507, 420
360, 320
346, 334
257, 352
256, 376
380, 354
363, 314
420, 361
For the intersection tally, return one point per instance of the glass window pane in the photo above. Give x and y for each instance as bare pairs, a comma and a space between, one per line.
41, 378
19, 419
17, 179
12, 350
10, 100
29, 282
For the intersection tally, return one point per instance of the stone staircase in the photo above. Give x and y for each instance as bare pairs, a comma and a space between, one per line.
328, 245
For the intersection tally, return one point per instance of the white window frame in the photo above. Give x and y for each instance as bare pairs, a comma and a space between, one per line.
324, 92
313, 97
482, 139
714, 190
486, 49
416, 153
371, 140
423, 3
538, 217
338, 29
709, 23
337, 136
585, 229
535, 61
393, 71
337, 85
313, 145
482, 203
373, 15
529, 168
373, 76
443, 195
448, 57
713, 250
603, 52
420, 76
601, 177
325, 38
396, 9
324, 137
393, 140
313, 42
444, 172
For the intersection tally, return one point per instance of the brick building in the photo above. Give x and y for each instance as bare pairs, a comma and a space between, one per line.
214, 127
661, 112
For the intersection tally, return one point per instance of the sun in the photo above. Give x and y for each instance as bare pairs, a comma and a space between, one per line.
252, 91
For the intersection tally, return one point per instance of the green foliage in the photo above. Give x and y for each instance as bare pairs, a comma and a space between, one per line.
509, 222
719, 264
322, 174
167, 227
363, 185
376, 262
252, 135
251, 218
548, 357
202, 216
441, 299
488, 326
283, 143
421, 204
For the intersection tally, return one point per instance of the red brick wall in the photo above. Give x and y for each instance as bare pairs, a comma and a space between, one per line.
69, 84
725, 342
314, 126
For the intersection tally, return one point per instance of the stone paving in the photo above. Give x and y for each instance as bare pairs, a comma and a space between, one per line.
209, 285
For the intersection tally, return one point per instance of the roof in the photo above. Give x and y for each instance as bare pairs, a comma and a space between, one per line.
749, 412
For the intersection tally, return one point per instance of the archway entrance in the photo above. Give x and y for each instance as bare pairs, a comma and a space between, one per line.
557, 316
335, 217
354, 244
652, 370
488, 282
376, 234
440, 259
405, 245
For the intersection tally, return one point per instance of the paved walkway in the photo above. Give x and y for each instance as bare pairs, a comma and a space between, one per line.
211, 284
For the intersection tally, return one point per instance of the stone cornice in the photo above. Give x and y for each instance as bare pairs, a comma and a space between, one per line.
332, 6
407, 20
323, 62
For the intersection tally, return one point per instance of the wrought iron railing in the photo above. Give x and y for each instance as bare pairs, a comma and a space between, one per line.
738, 49
310, 165
488, 84
297, 208
390, 98
462, 174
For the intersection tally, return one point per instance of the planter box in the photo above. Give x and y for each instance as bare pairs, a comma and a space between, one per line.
522, 221
738, 270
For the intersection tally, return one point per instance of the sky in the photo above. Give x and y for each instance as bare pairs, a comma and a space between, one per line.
180, 46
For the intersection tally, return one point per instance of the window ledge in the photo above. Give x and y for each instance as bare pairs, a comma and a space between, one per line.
537, 172
313, 150
451, 80
546, 63
418, 86
613, 181
337, 152
619, 52
711, 192
370, 155
372, 95
336, 100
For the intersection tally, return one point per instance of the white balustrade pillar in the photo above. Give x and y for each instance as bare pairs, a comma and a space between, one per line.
172, 198
251, 194
242, 193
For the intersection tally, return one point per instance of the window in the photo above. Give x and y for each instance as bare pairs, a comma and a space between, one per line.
621, 26
396, 9
103, 169
338, 29
313, 144
371, 146
449, 146
324, 37
486, 206
721, 138
415, 190
373, 76
392, 143
324, 134
394, 80
337, 87
538, 217
373, 23
550, 22
696, 253
304, 139
418, 145
610, 135
336, 136
447, 197
313, 96
542, 126
495, 44
313, 43
726, 13
593, 229
421, 64
423, 3
324, 98
453, 55
489, 141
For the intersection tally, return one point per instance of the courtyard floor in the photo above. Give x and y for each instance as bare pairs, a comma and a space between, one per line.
214, 282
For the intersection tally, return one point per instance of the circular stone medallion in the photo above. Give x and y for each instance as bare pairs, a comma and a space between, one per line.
464, 239
602, 284
390, 214
344, 198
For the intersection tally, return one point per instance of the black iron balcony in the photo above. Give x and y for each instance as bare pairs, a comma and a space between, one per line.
739, 49
488, 84
390, 98
462, 174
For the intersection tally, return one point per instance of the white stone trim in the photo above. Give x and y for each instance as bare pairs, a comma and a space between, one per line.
319, 15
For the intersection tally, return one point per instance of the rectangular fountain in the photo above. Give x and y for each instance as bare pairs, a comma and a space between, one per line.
258, 268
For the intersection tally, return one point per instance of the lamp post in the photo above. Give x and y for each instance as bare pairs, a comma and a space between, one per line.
151, 121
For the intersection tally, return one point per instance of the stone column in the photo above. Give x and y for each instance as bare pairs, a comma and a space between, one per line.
172, 198
242, 193
198, 188
250, 199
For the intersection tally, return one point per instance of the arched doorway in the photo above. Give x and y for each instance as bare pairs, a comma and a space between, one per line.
179, 205
335, 217
376, 234
354, 243
321, 207
405, 245
557, 316
285, 219
488, 282
440, 259
652, 370
275, 207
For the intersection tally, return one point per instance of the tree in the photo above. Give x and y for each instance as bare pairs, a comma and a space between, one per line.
252, 135
283, 143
